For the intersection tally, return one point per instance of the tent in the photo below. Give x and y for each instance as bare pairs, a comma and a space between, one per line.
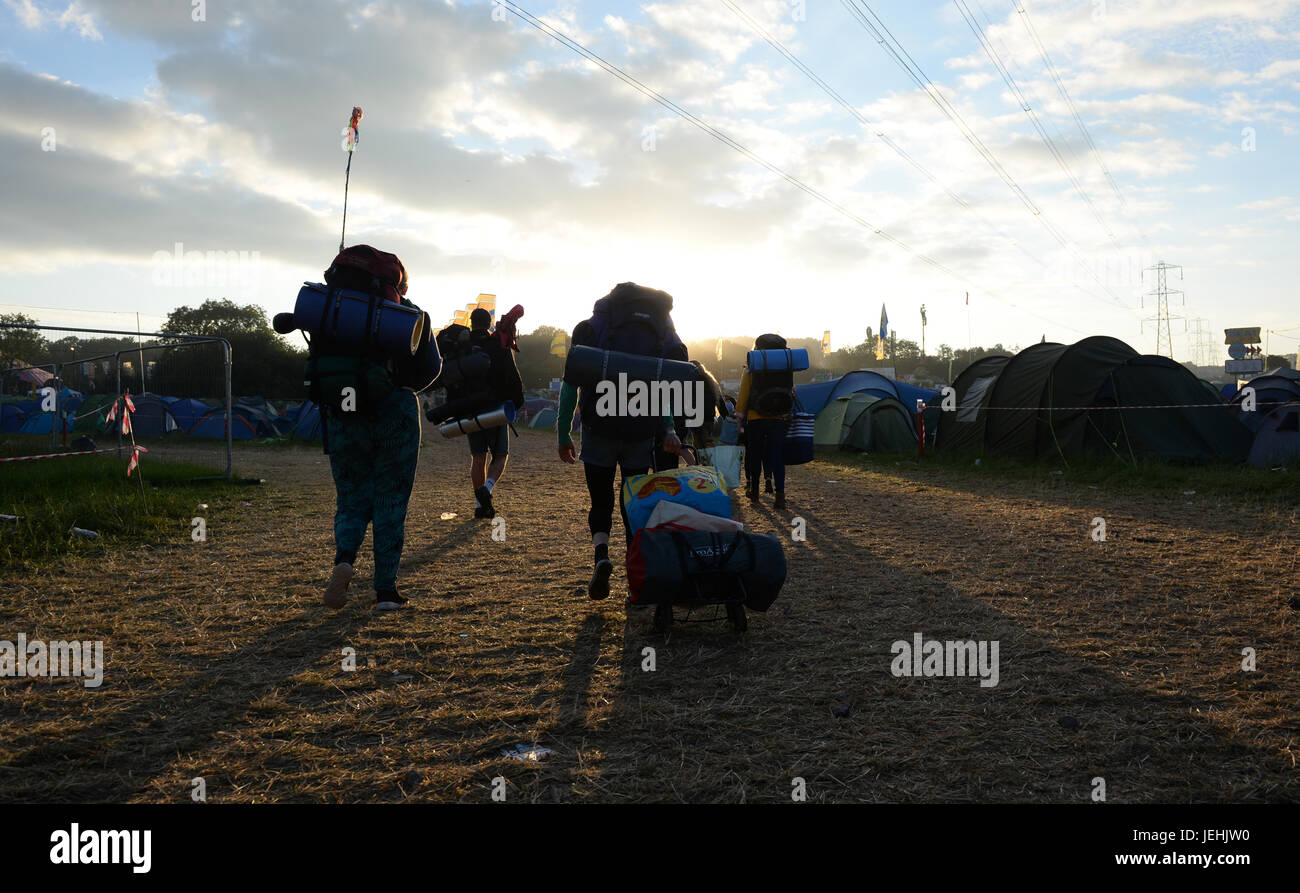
188, 411
1272, 390
1278, 438
213, 425
1056, 399
308, 426
545, 418
12, 417
37, 423
92, 412
865, 421
262, 421
151, 418
815, 397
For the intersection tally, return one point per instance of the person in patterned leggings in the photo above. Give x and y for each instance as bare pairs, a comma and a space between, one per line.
373, 462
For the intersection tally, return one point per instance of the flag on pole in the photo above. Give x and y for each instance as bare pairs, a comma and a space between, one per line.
826, 343
559, 345
882, 333
717, 350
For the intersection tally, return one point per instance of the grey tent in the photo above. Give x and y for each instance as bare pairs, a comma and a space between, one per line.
1097, 396
865, 421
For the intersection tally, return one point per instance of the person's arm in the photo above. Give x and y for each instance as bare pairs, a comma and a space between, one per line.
564, 415
514, 382
742, 401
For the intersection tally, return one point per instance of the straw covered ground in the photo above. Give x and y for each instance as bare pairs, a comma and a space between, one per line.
1118, 660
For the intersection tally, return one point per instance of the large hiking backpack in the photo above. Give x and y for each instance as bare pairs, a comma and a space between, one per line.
631, 319
771, 393
341, 377
466, 375
369, 270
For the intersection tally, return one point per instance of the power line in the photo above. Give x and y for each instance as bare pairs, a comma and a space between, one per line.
1074, 111
864, 15
1029, 111
866, 122
722, 137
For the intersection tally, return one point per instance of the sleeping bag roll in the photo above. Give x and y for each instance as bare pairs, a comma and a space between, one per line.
358, 320
586, 366
786, 360
666, 565
495, 418
464, 368
462, 408
418, 372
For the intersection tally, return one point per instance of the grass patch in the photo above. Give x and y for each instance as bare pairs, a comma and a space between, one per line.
1212, 479
51, 496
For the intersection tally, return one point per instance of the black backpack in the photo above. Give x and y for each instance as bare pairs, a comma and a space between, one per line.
771, 393
630, 319
466, 366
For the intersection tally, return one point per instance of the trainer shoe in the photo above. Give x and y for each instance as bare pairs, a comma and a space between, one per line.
336, 592
389, 601
484, 497
598, 588
778, 504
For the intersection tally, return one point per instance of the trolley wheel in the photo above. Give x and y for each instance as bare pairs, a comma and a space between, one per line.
736, 614
663, 618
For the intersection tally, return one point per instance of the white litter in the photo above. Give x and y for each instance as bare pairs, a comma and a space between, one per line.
529, 753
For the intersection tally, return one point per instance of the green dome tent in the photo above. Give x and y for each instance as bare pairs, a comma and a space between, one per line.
867, 422
1057, 399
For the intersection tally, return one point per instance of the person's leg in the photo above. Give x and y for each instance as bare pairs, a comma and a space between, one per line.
600, 520
756, 444
354, 491
396, 453
776, 461
500, 456
478, 469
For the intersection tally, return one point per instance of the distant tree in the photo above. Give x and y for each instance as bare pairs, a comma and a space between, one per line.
263, 363
26, 345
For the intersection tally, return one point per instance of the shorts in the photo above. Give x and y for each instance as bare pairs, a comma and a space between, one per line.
494, 440
608, 452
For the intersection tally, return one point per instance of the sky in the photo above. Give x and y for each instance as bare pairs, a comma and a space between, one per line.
493, 158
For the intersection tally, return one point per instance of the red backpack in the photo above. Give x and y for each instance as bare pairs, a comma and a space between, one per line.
369, 270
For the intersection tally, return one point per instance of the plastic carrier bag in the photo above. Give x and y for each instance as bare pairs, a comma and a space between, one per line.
698, 486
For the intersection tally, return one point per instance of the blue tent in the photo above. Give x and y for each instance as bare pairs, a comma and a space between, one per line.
309, 422
188, 411
150, 419
1272, 391
38, 423
12, 417
213, 425
815, 397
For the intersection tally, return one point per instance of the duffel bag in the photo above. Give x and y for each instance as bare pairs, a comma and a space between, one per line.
667, 565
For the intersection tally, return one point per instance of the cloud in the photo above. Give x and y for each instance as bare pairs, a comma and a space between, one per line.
34, 17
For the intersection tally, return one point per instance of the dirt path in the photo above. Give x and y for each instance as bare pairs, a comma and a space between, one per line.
1119, 660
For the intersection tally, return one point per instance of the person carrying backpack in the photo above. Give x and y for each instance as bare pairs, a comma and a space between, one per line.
372, 432
630, 319
763, 408
505, 383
